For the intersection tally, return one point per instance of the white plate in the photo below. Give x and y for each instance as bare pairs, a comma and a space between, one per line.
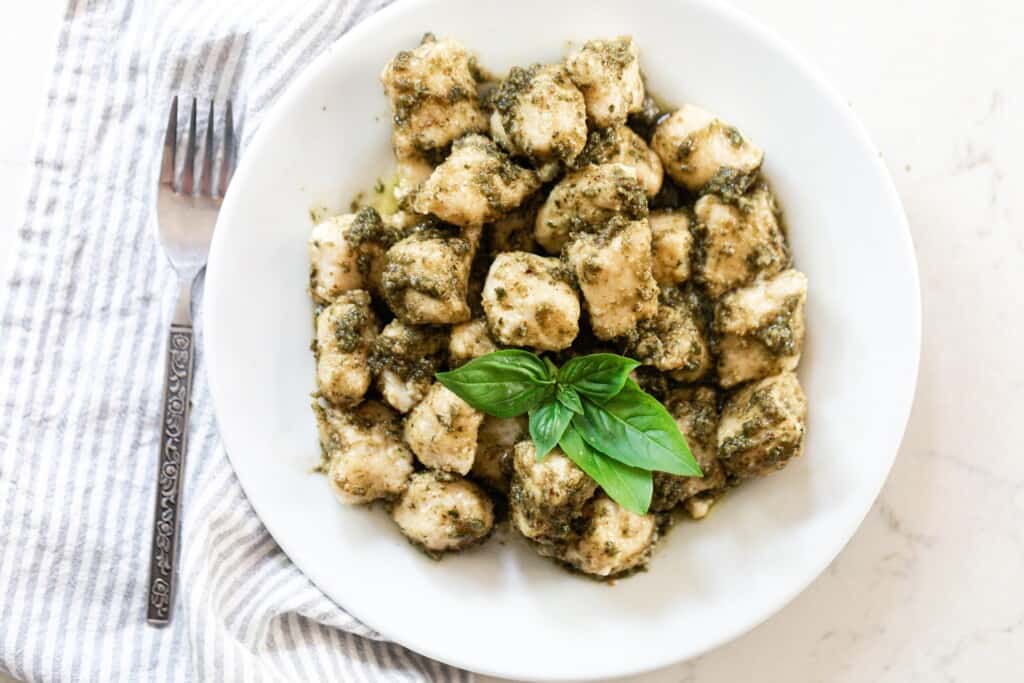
501, 609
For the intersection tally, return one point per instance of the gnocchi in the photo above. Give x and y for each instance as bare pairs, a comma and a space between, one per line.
557, 209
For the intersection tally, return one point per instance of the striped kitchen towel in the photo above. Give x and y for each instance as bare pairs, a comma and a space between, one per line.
83, 319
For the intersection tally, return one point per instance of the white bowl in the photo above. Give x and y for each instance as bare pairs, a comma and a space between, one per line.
501, 609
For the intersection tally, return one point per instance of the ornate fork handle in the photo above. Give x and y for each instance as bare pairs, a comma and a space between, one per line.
173, 444
187, 206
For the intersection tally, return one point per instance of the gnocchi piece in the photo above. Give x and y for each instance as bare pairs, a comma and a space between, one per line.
442, 430
539, 114
614, 540
410, 174
607, 72
495, 441
741, 241
426, 276
549, 171
762, 426
476, 184
674, 338
404, 359
367, 459
698, 506
468, 341
338, 428
402, 222
545, 497
703, 154
333, 265
529, 302
433, 95
347, 252
671, 246
696, 412
620, 145
344, 332
761, 328
402, 393
613, 268
586, 200
443, 512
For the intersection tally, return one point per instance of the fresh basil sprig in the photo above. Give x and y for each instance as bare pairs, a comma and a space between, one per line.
547, 424
634, 428
630, 487
603, 421
503, 383
598, 376
568, 397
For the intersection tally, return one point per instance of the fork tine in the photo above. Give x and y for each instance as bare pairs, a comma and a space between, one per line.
188, 174
209, 152
170, 142
227, 162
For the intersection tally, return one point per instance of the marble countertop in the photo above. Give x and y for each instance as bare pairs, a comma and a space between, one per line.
930, 587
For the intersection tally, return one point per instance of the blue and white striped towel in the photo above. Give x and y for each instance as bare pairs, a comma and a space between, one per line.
83, 318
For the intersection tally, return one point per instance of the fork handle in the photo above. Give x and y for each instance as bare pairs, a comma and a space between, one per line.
173, 444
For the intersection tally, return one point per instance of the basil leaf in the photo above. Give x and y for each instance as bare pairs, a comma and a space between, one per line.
504, 383
598, 376
568, 397
547, 423
635, 429
630, 487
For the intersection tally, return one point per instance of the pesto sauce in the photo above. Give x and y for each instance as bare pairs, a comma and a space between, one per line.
318, 213
730, 183
778, 335
350, 327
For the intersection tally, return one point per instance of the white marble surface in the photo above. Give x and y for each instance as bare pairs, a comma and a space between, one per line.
930, 588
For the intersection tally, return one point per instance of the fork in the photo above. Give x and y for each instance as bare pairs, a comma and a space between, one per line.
186, 213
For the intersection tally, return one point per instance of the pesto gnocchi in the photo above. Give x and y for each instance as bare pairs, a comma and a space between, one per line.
561, 209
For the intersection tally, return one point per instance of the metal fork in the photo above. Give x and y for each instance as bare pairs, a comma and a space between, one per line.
186, 212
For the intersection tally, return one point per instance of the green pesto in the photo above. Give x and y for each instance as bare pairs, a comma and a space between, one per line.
778, 335
415, 353
506, 96
357, 201
653, 381
403, 270
678, 323
410, 91
598, 199
744, 453
615, 55
734, 135
685, 149
368, 226
349, 328
601, 148
698, 410
729, 183
397, 279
